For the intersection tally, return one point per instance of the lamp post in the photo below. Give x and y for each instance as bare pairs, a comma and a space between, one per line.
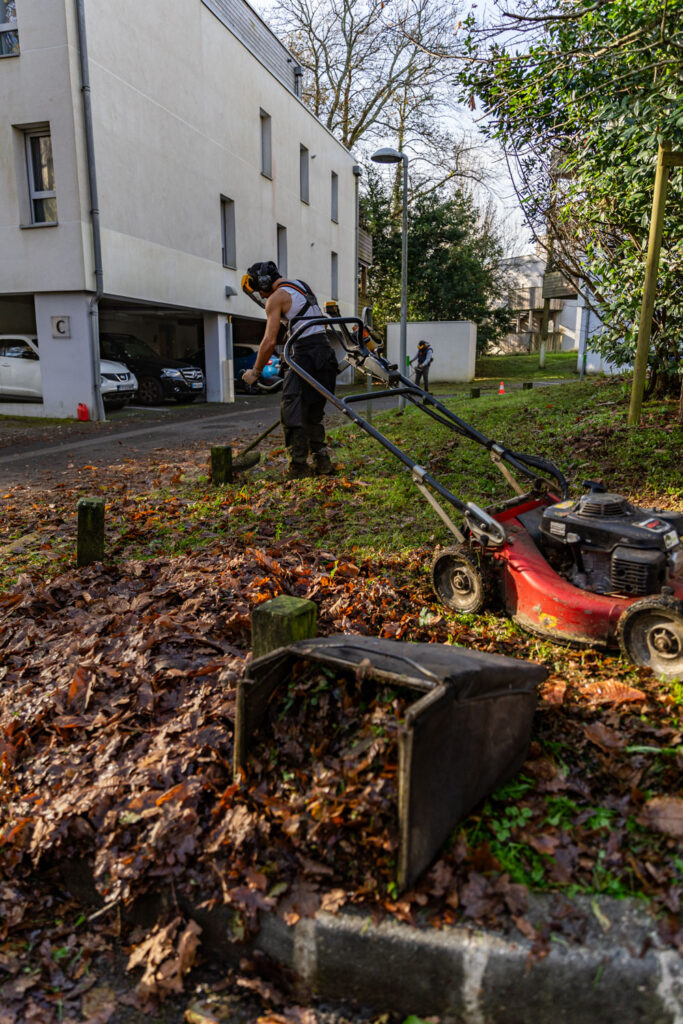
392, 156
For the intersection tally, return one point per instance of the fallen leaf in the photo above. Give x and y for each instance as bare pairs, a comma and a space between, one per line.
98, 1004
664, 814
603, 737
611, 691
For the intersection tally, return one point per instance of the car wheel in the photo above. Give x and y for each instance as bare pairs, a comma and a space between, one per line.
150, 391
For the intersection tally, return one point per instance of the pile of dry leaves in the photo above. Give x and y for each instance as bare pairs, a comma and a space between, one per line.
116, 718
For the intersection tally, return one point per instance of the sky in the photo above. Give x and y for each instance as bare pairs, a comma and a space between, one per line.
515, 234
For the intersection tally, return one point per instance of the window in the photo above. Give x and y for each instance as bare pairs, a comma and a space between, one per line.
9, 37
18, 350
41, 177
334, 213
334, 282
266, 149
303, 174
282, 250
228, 233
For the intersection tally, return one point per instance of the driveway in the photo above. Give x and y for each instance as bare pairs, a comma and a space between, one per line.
38, 453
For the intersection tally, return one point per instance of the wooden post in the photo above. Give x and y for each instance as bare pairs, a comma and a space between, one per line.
544, 334
650, 286
475, 392
221, 465
281, 621
90, 545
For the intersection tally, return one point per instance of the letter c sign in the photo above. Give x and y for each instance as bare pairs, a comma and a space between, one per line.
61, 326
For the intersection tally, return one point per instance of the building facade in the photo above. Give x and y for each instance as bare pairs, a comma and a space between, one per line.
200, 159
572, 324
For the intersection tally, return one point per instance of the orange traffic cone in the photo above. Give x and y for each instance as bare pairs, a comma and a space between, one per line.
501, 389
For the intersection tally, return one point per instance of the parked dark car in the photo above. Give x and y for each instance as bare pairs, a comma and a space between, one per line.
244, 357
158, 377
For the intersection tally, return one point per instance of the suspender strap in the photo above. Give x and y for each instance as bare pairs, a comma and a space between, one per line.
303, 289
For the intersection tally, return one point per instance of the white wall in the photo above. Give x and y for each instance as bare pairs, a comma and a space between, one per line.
37, 88
454, 343
65, 363
176, 101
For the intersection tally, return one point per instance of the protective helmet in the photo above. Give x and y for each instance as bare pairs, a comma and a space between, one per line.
422, 344
263, 275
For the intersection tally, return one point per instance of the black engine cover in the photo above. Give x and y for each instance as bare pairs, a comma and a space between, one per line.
613, 545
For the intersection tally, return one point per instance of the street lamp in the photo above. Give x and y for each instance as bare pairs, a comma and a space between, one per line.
392, 156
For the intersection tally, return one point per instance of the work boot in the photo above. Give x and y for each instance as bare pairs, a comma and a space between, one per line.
323, 465
297, 471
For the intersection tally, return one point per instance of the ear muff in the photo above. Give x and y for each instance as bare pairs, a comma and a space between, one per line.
262, 276
249, 289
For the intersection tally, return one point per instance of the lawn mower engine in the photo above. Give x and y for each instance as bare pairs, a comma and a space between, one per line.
604, 544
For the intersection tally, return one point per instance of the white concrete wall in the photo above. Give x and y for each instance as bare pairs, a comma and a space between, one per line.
566, 320
590, 326
454, 343
176, 100
37, 88
65, 363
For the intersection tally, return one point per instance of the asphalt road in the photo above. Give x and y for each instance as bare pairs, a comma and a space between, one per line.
38, 453
29, 455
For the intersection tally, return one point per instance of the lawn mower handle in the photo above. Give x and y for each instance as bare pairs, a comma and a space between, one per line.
486, 529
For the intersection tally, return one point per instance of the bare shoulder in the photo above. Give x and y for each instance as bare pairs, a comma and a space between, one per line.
278, 302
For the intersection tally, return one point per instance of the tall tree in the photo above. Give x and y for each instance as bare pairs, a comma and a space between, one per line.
376, 72
580, 93
453, 259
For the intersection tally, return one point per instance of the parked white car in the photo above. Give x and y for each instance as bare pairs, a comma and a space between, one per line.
20, 373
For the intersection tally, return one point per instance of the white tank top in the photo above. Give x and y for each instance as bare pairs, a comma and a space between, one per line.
298, 303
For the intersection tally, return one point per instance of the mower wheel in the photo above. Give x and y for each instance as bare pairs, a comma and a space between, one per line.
650, 633
458, 580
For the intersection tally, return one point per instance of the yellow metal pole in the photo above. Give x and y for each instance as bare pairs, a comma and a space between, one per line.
650, 285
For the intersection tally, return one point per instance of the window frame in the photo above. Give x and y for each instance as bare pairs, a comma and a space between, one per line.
266, 144
281, 248
304, 174
334, 197
9, 28
228, 233
334, 275
36, 195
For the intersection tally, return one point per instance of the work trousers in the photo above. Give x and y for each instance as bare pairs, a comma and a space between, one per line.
422, 373
303, 408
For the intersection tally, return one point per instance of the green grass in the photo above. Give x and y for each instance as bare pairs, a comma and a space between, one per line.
373, 507
525, 367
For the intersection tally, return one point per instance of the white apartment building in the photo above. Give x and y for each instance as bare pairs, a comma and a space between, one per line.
572, 324
169, 136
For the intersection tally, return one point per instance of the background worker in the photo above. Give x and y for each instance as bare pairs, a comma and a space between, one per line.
424, 359
302, 407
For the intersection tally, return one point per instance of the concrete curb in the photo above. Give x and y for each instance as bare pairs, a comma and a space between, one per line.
618, 974
469, 976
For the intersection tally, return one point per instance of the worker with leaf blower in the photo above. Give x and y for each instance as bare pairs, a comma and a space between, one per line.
302, 407
424, 359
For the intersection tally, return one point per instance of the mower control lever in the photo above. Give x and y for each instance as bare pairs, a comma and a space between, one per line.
483, 527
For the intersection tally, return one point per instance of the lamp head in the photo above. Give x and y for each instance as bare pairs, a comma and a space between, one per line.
387, 156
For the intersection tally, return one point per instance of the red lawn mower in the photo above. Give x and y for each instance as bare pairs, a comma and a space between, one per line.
593, 571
